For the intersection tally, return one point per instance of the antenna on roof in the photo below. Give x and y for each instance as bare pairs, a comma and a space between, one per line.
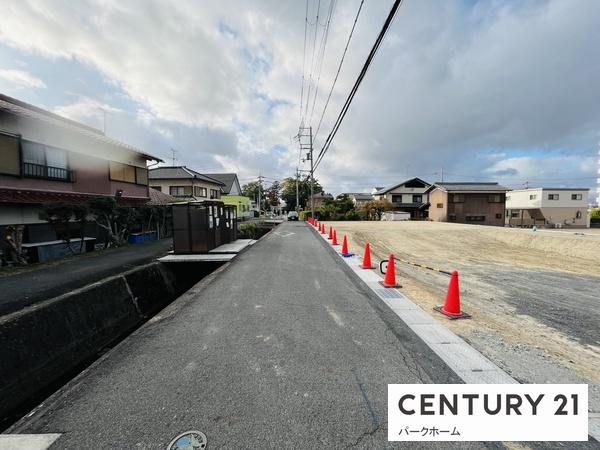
174, 159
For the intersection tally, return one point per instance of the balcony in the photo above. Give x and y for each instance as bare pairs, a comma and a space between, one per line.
31, 170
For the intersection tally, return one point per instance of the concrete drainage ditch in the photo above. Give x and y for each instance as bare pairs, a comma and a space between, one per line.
46, 344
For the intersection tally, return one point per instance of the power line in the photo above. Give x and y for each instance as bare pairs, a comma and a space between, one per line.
312, 64
339, 68
303, 59
361, 76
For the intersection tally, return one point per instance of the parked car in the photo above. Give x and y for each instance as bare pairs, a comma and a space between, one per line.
292, 215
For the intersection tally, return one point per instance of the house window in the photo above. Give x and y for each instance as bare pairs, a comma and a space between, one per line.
396, 198
495, 198
157, 188
10, 163
578, 215
41, 161
475, 218
214, 193
452, 217
199, 191
498, 216
514, 214
141, 176
457, 198
532, 196
121, 172
180, 191
417, 199
552, 196
440, 205
576, 196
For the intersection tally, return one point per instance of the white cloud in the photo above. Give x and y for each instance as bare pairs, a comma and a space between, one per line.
451, 80
21, 79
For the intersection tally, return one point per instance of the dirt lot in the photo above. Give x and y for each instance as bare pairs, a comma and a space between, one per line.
534, 296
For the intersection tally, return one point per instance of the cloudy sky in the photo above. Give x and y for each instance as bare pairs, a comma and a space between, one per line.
491, 90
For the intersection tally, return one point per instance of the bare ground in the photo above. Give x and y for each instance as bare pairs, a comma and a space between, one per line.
533, 295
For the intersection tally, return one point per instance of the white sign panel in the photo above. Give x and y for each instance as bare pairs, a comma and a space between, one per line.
487, 412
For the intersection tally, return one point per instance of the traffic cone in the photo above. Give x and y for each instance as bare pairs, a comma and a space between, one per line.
323, 229
451, 308
390, 275
330, 236
345, 252
334, 241
367, 258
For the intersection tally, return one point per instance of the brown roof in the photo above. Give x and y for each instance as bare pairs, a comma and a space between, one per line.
32, 196
158, 198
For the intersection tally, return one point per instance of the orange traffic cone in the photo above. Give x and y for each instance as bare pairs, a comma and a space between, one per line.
330, 236
334, 241
390, 275
451, 308
322, 229
367, 258
345, 252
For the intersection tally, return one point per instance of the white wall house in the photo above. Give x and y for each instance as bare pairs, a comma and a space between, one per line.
550, 207
409, 196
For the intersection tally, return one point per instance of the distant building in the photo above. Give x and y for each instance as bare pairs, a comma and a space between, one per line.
547, 207
48, 158
231, 184
474, 203
232, 194
185, 184
409, 196
359, 198
319, 200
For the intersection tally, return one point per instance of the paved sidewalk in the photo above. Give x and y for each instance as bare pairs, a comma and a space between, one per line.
26, 288
282, 348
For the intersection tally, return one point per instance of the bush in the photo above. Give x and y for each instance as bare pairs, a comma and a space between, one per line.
352, 215
595, 214
304, 215
248, 230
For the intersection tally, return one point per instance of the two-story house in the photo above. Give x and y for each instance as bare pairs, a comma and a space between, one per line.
474, 203
47, 158
409, 196
185, 183
553, 207
232, 194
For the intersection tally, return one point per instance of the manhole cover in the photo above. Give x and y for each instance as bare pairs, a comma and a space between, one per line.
190, 440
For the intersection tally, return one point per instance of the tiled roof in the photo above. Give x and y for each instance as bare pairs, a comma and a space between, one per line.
226, 178
23, 109
381, 191
158, 198
179, 172
32, 196
472, 187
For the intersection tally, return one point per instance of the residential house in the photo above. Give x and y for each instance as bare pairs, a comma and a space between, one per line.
359, 198
48, 158
474, 203
232, 194
409, 196
547, 207
185, 184
318, 199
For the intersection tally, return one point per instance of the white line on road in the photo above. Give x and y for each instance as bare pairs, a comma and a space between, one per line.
27, 441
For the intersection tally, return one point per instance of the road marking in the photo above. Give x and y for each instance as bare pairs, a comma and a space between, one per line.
334, 316
28, 441
286, 234
470, 365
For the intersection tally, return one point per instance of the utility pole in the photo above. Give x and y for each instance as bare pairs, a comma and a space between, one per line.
307, 144
442, 175
297, 190
260, 178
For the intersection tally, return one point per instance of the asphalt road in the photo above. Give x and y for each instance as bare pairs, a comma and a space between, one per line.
283, 348
26, 288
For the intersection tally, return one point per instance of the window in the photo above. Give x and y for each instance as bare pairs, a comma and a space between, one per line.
180, 191
532, 196
495, 198
157, 188
578, 215
141, 175
552, 196
121, 172
214, 193
199, 191
498, 216
576, 196
457, 198
440, 205
417, 199
514, 214
396, 198
10, 163
42, 161
475, 218
452, 217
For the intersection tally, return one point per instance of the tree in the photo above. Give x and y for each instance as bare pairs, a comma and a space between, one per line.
115, 220
272, 194
374, 209
250, 190
288, 192
13, 237
61, 216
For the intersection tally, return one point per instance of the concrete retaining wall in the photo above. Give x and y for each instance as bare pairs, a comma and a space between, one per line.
42, 344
